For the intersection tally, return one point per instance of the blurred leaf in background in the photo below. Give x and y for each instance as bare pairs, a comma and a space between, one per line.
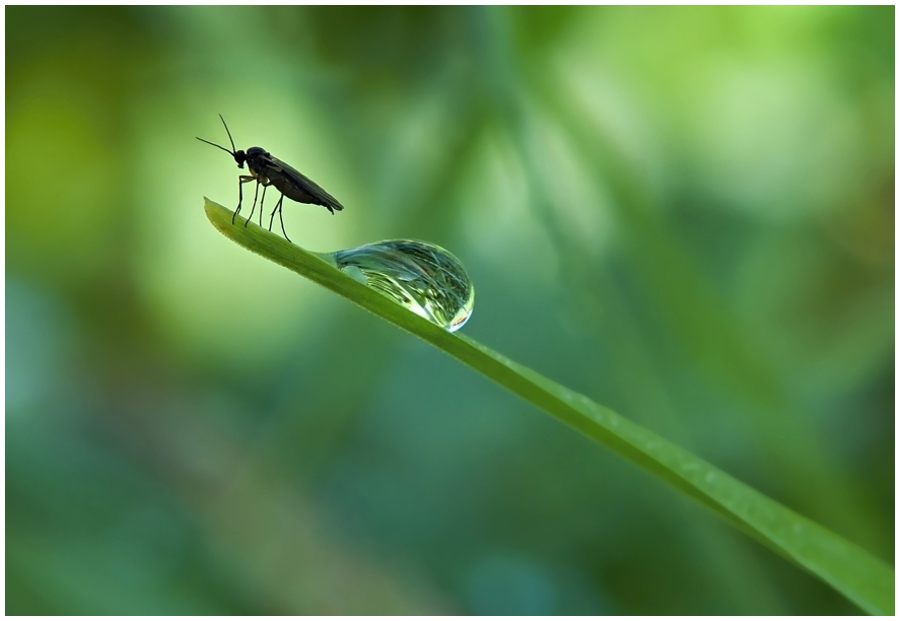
685, 213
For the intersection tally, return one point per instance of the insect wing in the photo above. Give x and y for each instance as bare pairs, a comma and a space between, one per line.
306, 184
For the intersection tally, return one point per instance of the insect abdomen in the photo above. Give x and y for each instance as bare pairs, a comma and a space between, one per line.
303, 190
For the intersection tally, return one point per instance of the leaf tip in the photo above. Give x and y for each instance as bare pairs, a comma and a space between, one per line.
217, 214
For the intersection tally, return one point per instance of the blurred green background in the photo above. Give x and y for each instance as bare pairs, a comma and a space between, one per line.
685, 213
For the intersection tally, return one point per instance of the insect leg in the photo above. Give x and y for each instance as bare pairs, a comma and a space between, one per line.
242, 179
261, 202
253, 207
281, 217
272, 217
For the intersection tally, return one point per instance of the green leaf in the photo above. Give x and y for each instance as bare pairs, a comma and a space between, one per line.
858, 575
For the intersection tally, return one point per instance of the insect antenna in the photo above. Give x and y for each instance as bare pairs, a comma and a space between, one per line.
228, 132
215, 145
230, 139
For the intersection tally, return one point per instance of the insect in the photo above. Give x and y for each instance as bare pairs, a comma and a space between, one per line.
267, 170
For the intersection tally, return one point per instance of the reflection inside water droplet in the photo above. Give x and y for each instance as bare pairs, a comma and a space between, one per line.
423, 277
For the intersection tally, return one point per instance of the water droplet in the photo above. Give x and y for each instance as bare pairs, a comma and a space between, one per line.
423, 277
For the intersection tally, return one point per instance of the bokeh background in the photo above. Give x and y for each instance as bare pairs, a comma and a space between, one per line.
684, 213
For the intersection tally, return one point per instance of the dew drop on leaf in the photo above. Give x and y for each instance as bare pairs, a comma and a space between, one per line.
420, 276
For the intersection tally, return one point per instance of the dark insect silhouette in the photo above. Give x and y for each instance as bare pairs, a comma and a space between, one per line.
267, 170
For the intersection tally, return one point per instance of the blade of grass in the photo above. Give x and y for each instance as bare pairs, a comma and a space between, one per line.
852, 571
